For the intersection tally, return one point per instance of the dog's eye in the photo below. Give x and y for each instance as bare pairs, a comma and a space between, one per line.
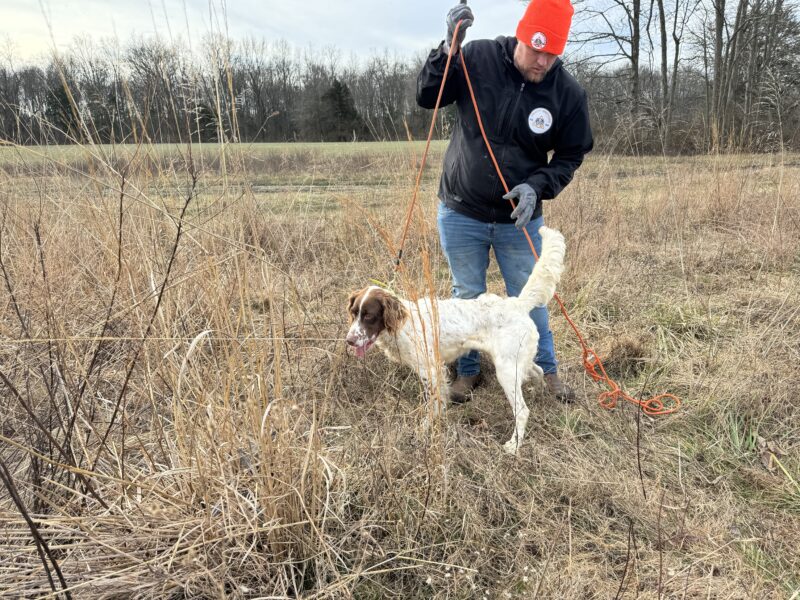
368, 318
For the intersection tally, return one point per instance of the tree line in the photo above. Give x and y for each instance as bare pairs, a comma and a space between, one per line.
672, 76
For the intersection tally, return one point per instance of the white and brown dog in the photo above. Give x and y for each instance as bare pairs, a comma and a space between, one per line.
426, 334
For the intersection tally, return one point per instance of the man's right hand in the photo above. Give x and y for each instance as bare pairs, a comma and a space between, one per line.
460, 12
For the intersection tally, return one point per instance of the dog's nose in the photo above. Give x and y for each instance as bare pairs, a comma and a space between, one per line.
350, 341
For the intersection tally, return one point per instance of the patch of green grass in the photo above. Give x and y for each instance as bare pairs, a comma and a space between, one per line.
742, 434
571, 421
777, 569
685, 321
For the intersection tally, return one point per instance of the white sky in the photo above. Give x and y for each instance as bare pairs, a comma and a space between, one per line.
361, 27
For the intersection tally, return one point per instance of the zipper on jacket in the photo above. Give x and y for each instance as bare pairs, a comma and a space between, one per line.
504, 136
509, 114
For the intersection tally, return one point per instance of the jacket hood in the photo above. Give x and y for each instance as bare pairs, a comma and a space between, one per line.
507, 45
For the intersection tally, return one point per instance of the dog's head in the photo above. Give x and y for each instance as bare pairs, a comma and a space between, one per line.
372, 311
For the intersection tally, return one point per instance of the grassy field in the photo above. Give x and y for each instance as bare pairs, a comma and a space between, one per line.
181, 418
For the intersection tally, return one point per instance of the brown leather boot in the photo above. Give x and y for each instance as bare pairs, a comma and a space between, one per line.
461, 388
556, 388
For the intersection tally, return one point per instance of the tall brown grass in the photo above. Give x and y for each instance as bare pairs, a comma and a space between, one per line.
181, 418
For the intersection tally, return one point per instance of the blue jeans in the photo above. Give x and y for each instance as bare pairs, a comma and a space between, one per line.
466, 244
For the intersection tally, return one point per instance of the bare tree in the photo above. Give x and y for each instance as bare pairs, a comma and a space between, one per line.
615, 26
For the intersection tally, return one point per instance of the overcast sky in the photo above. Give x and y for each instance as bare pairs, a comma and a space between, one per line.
354, 26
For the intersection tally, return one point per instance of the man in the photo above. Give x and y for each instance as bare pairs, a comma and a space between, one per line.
530, 106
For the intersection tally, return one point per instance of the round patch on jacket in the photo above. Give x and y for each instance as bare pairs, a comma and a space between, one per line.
540, 120
538, 40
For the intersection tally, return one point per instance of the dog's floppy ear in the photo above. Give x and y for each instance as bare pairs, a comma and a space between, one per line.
351, 302
394, 313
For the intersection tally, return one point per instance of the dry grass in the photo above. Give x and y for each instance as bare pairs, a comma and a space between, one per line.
181, 418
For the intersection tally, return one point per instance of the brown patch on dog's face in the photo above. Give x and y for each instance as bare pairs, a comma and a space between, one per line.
367, 307
372, 310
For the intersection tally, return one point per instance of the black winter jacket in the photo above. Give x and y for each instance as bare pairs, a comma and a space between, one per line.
523, 121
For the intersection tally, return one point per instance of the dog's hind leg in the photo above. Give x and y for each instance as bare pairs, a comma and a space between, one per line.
510, 378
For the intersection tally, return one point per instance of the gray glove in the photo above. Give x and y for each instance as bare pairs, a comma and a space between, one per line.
460, 12
526, 202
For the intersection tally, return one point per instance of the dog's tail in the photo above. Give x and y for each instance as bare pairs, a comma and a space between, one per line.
542, 283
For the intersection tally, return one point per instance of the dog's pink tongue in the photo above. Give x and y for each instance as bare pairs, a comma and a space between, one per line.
361, 351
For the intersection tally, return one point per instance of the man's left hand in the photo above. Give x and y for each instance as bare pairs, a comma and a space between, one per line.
526, 203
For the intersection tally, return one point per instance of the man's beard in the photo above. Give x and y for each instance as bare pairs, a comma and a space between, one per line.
536, 77
532, 76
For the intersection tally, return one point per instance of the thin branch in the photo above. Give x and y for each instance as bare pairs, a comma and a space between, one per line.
159, 298
42, 548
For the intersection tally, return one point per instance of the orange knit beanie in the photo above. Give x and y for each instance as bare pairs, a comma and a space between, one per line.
545, 25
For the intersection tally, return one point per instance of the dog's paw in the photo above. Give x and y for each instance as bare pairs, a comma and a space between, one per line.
511, 446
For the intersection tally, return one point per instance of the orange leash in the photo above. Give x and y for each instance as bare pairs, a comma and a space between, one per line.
663, 404
431, 129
